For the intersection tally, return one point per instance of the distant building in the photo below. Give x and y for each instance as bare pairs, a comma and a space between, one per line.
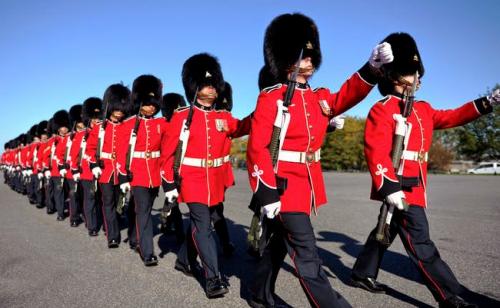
461, 166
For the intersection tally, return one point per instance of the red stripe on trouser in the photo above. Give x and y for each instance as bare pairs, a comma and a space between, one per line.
137, 232
297, 271
198, 251
104, 215
420, 262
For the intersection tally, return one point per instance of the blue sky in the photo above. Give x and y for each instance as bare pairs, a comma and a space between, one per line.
54, 54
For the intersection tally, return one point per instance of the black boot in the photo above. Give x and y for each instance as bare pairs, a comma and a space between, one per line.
215, 287
455, 302
369, 284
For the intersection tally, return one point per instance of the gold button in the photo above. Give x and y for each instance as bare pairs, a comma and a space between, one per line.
308, 114
310, 126
312, 137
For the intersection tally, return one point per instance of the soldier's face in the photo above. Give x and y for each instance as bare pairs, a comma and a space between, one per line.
207, 95
62, 131
306, 70
94, 121
116, 115
44, 137
148, 110
80, 126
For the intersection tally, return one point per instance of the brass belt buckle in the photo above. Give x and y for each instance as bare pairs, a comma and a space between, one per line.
148, 154
210, 163
310, 157
421, 156
113, 155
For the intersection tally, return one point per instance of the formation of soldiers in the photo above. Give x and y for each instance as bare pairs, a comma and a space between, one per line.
99, 156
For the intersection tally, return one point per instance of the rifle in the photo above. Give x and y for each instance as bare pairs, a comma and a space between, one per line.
261, 229
402, 132
128, 160
100, 143
180, 151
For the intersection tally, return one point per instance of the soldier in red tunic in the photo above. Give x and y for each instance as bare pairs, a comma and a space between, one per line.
38, 165
409, 182
101, 151
298, 161
80, 165
202, 175
139, 141
62, 126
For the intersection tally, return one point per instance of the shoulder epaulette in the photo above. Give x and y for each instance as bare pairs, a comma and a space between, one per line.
319, 88
272, 88
384, 100
181, 109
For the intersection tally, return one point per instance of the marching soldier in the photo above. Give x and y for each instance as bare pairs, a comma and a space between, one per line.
409, 182
140, 139
30, 163
23, 155
102, 153
172, 101
61, 122
203, 132
291, 38
47, 153
75, 196
38, 164
80, 166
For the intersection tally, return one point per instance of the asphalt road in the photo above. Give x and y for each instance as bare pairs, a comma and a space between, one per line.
45, 263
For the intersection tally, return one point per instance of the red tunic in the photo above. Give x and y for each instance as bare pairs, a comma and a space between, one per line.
145, 166
108, 155
59, 162
47, 159
83, 166
209, 133
310, 112
33, 156
379, 132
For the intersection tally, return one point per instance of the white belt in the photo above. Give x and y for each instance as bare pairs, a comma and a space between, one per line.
108, 155
154, 154
201, 162
415, 156
299, 157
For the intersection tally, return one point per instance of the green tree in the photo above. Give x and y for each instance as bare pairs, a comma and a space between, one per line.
480, 140
344, 149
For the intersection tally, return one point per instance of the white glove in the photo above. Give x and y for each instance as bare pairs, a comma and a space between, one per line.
39, 175
171, 194
125, 187
494, 98
338, 121
96, 171
396, 199
76, 177
18, 168
47, 174
271, 210
381, 54
24, 172
63, 172
29, 172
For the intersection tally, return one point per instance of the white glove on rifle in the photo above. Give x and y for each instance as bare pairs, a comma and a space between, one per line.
171, 195
47, 174
39, 175
396, 199
381, 55
125, 187
63, 172
29, 172
271, 210
76, 177
338, 121
96, 171
494, 98
24, 173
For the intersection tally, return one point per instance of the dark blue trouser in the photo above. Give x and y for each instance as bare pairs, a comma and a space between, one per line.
144, 198
293, 234
75, 200
200, 240
90, 201
57, 183
110, 194
413, 229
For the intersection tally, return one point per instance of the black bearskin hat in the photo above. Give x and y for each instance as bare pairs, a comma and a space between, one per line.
117, 97
225, 99
266, 78
50, 127
146, 90
285, 37
60, 119
42, 128
406, 62
21, 139
75, 115
32, 132
91, 109
199, 71
171, 101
